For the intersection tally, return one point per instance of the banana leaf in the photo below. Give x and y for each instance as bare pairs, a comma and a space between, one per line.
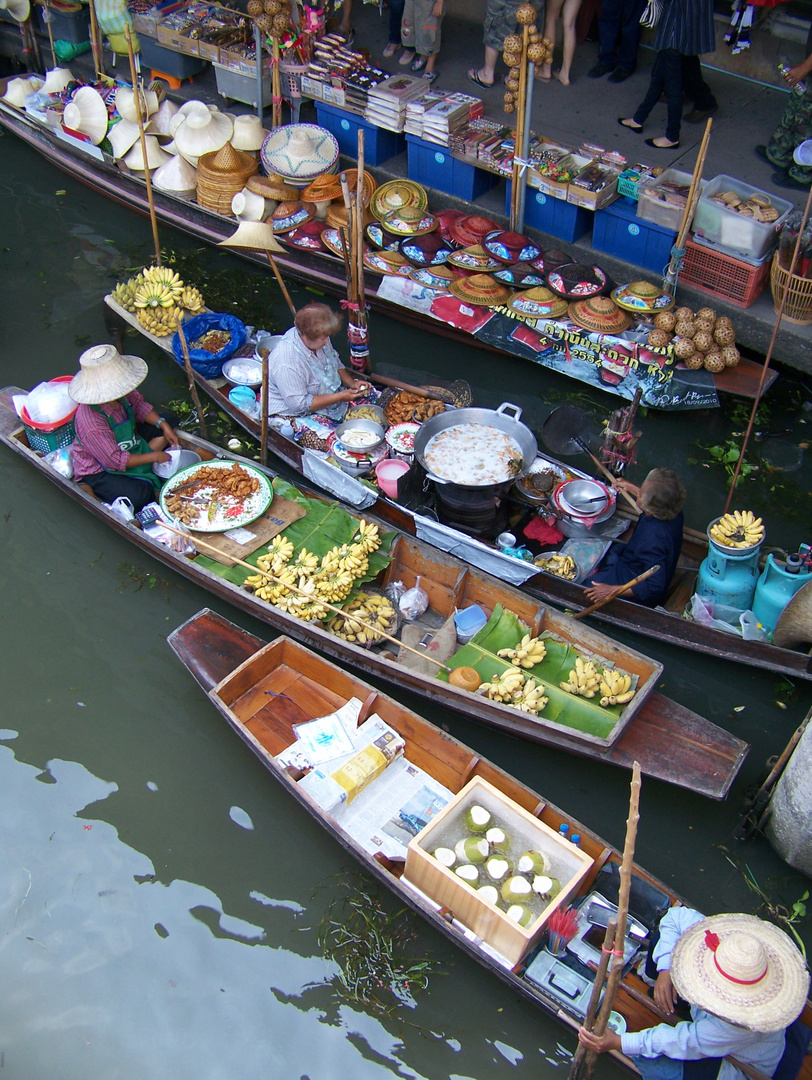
504, 630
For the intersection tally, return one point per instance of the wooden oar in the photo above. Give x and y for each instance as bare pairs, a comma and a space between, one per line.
295, 588
617, 591
754, 808
612, 480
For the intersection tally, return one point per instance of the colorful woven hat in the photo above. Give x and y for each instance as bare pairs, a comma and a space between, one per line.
427, 250
538, 303
521, 275
299, 152
324, 188
307, 236
445, 219
471, 229
480, 290
576, 281
549, 260
438, 278
396, 194
409, 221
380, 238
387, 262
600, 315
290, 215
337, 216
333, 241
474, 257
370, 184
642, 297
510, 247
272, 187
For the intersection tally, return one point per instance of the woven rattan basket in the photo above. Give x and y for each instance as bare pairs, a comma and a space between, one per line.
798, 306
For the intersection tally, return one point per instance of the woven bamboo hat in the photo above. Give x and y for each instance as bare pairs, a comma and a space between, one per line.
323, 188
272, 187
176, 176
248, 206
387, 262
125, 103
122, 136
19, 89
397, 194
299, 152
332, 240
56, 79
19, 10
220, 175
521, 275
370, 184
409, 221
336, 216
87, 113
445, 219
427, 250
642, 297
159, 122
307, 236
538, 303
290, 215
203, 133
600, 315
511, 247
475, 258
479, 289
380, 237
249, 134
743, 970
794, 626
156, 156
106, 375
576, 281
253, 236
438, 278
471, 229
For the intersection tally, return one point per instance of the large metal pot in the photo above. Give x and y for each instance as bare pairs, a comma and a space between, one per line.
500, 419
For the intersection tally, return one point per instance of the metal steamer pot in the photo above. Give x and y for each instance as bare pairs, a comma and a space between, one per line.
505, 418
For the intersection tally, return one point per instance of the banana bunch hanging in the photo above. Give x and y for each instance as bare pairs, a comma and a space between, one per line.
739, 529
529, 652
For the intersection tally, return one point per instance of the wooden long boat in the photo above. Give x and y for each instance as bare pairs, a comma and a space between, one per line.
670, 741
665, 623
255, 686
661, 389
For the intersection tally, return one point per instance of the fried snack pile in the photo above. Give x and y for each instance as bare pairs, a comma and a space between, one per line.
405, 407
224, 486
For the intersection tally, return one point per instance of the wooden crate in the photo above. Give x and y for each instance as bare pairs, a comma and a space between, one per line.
569, 864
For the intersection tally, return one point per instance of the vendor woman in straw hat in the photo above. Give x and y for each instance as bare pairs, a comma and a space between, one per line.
746, 982
305, 373
118, 435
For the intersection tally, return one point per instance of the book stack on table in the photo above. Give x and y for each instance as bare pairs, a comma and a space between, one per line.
387, 102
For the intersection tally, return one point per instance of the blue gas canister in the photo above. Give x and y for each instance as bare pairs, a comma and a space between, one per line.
777, 585
728, 575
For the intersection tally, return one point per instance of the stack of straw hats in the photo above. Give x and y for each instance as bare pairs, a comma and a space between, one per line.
221, 175
177, 177
299, 153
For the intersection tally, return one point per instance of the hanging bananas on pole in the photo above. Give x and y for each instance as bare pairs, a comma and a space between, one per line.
740, 529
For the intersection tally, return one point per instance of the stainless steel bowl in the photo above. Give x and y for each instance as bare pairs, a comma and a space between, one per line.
586, 498
375, 410
370, 437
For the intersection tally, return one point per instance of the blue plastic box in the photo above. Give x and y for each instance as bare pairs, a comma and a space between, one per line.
620, 232
379, 144
557, 218
434, 167
468, 622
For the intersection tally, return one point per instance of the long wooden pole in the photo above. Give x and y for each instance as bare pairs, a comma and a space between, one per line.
595, 996
281, 283
617, 591
768, 357
47, 8
672, 273
518, 170
385, 380
95, 41
139, 117
263, 404
190, 375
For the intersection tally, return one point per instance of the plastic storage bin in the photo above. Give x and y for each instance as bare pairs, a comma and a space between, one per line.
53, 436
167, 61
723, 275
730, 230
67, 25
620, 232
235, 86
379, 144
434, 167
652, 209
557, 218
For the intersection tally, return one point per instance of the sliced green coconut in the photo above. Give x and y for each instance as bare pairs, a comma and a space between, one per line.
498, 839
533, 862
547, 887
473, 849
468, 872
520, 913
498, 867
445, 856
489, 893
478, 818
516, 889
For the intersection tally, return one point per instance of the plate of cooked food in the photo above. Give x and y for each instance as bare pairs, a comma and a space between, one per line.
214, 496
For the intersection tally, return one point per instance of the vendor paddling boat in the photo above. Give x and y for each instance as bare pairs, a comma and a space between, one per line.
409, 823
665, 623
524, 652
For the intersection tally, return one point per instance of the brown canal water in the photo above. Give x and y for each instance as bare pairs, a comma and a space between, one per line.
160, 898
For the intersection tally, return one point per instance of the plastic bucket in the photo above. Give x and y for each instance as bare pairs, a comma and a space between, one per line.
388, 473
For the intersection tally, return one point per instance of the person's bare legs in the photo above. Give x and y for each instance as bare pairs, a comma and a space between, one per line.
568, 17
550, 21
487, 73
346, 19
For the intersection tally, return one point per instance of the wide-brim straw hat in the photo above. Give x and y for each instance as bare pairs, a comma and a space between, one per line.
475, 258
511, 247
336, 216
409, 221
253, 236
220, 175
550, 259
387, 262
87, 113
56, 79
247, 206
445, 219
642, 297
18, 90
576, 281
19, 10
156, 155
521, 275
272, 187
308, 237
397, 194
299, 152
381, 238
176, 176
160, 122
332, 240
185, 110
290, 215
249, 134
794, 626
743, 970
106, 375
125, 103
479, 289
203, 133
600, 315
324, 188
438, 278
471, 229
122, 136
427, 250
537, 303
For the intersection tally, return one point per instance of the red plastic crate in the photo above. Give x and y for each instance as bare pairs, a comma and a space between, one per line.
722, 275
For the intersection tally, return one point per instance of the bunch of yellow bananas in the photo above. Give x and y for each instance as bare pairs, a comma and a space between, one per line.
615, 687
166, 277
368, 537
561, 565
583, 679
503, 687
372, 609
529, 652
738, 529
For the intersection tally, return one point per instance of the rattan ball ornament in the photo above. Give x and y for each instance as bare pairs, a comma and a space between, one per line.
509, 107
525, 14
724, 320
714, 362
536, 53
511, 83
512, 43
724, 334
683, 313
254, 8
706, 313
509, 97
665, 320
264, 22
532, 29
281, 22
514, 73
512, 59
658, 339
684, 327
703, 341
731, 355
694, 362
703, 324
272, 7
684, 348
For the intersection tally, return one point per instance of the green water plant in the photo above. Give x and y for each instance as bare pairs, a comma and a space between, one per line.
786, 916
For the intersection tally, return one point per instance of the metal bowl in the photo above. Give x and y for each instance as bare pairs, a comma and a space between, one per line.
375, 412
249, 364
165, 469
576, 497
360, 436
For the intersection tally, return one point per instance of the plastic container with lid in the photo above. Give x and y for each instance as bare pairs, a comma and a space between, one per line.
731, 230
652, 208
469, 621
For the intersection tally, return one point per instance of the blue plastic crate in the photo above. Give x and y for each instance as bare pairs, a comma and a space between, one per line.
379, 144
620, 232
434, 167
556, 217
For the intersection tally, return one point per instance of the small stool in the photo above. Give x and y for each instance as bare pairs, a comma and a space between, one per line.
174, 83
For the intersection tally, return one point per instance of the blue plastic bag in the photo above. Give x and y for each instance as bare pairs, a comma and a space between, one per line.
207, 364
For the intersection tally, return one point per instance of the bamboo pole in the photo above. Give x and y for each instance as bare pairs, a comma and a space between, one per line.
595, 996
422, 653
47, 9
695, 190
263, 404
518, 170
768, 357
352, 287
139, 116
385, 380
280, 282
617, 591
276, 87
190, 375
359, 356
95, 41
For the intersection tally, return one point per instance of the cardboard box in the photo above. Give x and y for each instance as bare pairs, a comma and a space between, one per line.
178, 40
208, 51
568, 863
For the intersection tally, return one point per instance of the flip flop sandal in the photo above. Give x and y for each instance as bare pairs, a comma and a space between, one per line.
474, 77
417, 64
430, 76
390, 49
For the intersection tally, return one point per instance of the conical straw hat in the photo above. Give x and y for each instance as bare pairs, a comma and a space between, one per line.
19, 10
176, 176
538, 303
87, 113
125, 103
479, 289
159, 122
106, 375
290, 215
19, 89
474, 257
134, 158
272, 187
299, 152
794, 626
253, 236
249, 134
472, 229
438, 278
600, 315
122, 136
510, 247
388, 262
642, 296
221, 174
56, 79
202, 133
324, 188
247, 206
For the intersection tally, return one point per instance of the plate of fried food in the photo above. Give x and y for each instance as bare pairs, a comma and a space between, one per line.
214, 496
404, 407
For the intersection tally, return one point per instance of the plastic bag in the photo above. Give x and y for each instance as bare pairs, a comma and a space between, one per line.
701, 610
122, 508
752, 630
61, 461
49, 403
413, 602
207, 364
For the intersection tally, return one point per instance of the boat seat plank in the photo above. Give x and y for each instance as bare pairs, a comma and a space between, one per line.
271, 726
682, 589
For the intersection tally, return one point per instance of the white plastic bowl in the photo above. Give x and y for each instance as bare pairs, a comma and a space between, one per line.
181, 460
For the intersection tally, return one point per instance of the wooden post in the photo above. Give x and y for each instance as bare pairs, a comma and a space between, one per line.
95, 41
358, 331
190, 375
147, 178
518, 170
276, 86
263, 404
